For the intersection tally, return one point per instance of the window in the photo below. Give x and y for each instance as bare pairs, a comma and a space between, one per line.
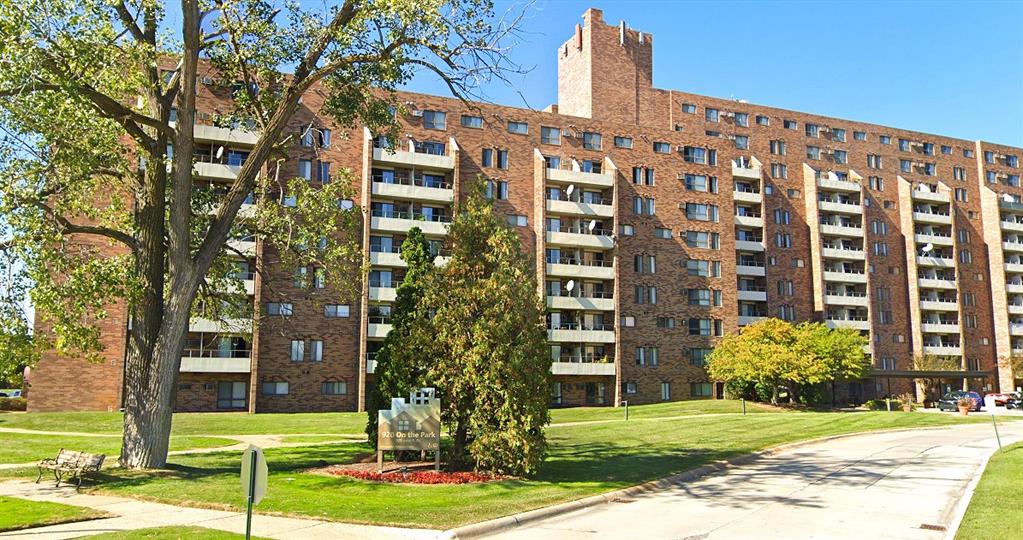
661, 232
786, 312
475, 122
763, 120
813, 152
550, 135
316, 350
629, 321
488, 157
689, 108
502, 159
517, 220
903, 145
630, 387
662, 147
879, 227
275, 389
666, 322
306, 137
336, 388
700, 389
874, 161
518, 128
783, 240
782, 217
841, 156
705, 327
231, 395
992, 177
792, 193
711, 115
502, 190
860, 135
1012, 161
701, 212
646, 356
702, 239
884, 294
323, 171
838, 134
785, 287
645, 264
336, 311
627, 230
812, 130
591, 141
778, 148
435, 120
779, 170
969, 300
665, 391
742, 142
698, 356
698, 268
790, 124
885, 139
305, 169
885, 316
989, 157
876, 183
970, 320
905, 165
699, 182
928, 149
623, 142
643, 294
283, 309
961, 195
881, 249
967, 152
703, 297
695, 154
297, 350
965, 257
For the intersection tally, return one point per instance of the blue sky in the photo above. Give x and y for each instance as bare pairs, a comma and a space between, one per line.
950, 68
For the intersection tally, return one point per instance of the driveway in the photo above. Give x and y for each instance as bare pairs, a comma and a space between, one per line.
898, 485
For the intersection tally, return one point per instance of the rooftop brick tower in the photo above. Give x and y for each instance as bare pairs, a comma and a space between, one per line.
604, 71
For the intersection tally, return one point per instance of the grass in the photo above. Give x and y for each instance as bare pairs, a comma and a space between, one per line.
196, 423
658, 410
312, 438
584, 460
170, 533
996, 510
25, 448
16, 514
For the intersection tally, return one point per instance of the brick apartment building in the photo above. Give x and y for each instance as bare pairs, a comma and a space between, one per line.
660, 220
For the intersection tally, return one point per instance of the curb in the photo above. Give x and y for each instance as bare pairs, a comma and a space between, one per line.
484, 528
959, 512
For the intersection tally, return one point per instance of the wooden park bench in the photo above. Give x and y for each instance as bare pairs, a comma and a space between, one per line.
71, 465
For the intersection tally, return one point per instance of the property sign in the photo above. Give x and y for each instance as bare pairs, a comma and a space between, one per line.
410, 426
254, 473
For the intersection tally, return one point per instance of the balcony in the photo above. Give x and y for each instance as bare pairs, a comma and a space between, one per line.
1016, 329
932, 217
225, 135
377, 330
935, 262
854, 323
416, 191
1011, 224
245, 247
838, 185
402, 222
943, 350
749, 195
572, 269
216, 171
939, 328
749, 245
845, 277
578, 177
750, 268
583, 368
929, 196
839, 207
1012, 246
602, 209
592, 302
939, 305
378, 258
1014, 267
746, 320
227, 326
749, 221
938, 283
581, 237
752, 295
842, 230
838, 252
414, 160
1016, 309
936, 239
382, 294
746, 170
1014, 288
859, 300
574, 334
192, 362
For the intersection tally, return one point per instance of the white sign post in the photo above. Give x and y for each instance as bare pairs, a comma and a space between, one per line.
253, 476
989, 403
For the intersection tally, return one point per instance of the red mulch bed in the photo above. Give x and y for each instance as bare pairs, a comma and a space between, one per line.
414, 477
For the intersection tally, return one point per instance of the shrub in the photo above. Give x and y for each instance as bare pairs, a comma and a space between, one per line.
876, 405
13, 404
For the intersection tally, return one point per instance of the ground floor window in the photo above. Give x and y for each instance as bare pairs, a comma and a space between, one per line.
275, 389
595, 393
630, 387
231, 395
665, 391
335, 388
556, 397
702, 389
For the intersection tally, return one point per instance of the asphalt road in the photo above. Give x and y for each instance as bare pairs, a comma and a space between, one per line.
902, 485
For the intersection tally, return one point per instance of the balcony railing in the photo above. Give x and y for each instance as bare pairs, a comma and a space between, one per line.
411, 215
588, 358
379, 319
405, 180
753, 288
564, 197
579, 262
581, 294
581, 326
216, 353
851, 294
582, 230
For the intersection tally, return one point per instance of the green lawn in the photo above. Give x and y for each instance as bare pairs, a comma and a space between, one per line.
196, 423
21, 514
674, 408
170, 533
584, 460
314, 438
24, 448
996, 510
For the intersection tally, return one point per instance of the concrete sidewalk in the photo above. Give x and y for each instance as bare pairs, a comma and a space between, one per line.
897, 485
133, 514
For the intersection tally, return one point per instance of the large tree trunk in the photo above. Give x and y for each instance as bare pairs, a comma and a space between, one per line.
774, 393
458, 448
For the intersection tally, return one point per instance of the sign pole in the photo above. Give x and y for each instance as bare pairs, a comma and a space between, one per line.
994, 423
626, 410
743, 400
252, 495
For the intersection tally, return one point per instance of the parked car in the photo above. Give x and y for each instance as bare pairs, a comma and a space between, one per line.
1003, 397
950, 401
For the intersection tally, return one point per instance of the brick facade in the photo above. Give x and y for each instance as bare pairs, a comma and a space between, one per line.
605, 87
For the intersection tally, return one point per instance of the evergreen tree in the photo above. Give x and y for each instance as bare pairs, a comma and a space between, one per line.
401, 368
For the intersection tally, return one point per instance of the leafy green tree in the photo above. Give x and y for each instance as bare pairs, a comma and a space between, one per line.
763, 353
488, 343
929, 386
829, 354
399, 367
97, 103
